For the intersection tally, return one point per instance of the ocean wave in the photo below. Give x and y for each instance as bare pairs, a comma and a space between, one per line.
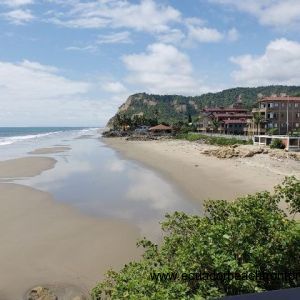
14, 139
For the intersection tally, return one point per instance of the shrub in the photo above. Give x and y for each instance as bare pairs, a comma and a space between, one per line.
277, 144
212, 140
249, 235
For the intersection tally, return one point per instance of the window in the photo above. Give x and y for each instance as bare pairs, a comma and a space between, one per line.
275, 125
296, 104
297, 125
297, 115
282, 115
276, 104
282, 104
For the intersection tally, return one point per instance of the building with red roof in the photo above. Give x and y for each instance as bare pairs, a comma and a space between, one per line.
229, 120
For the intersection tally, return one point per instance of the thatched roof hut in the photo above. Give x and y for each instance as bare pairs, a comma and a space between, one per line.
160, 128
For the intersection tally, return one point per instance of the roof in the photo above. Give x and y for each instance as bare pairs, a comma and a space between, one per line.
240, 121
233, 115
218, 109
160, 127
279, 98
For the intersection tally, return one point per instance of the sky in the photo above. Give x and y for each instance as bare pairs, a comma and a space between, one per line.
74, 62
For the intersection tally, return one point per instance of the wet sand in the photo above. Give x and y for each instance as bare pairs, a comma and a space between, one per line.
204, 177
25, 166
52, 150
44, 242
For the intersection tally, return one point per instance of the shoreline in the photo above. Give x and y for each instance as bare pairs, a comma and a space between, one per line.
25, 167
45, 242
204, 177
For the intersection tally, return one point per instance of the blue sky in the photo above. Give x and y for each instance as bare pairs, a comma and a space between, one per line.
73, 62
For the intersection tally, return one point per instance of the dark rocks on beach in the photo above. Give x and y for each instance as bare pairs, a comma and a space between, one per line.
115, 133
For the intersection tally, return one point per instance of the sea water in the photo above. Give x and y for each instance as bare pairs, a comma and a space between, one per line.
98, 181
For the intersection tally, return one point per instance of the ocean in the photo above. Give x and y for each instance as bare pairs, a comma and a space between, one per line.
11, 135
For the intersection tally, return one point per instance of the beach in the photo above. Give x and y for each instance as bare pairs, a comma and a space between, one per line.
45, 242
204, 177
75, 207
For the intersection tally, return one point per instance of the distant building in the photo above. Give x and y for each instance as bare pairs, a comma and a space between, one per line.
229, 120
160, 129
277, 115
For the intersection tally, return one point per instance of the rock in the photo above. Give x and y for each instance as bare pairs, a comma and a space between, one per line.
41, 293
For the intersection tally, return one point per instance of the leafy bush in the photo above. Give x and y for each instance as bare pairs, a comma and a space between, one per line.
272, 131
277, 144
249, 235
212, 140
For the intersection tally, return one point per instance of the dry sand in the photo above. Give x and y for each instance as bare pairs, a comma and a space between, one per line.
204, 177
51, 150
25, 166
44, 242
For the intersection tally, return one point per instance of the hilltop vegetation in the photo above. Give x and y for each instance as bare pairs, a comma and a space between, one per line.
175, 108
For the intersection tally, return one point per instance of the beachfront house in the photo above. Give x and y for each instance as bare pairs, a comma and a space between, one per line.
225, 120
275, 115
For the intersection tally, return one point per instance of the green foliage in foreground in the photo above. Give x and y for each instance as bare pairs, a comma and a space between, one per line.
277, 144
251, 234
212, 140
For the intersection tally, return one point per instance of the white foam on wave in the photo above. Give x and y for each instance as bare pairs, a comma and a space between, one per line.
14, 139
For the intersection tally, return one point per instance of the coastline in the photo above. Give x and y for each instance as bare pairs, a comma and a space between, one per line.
204, 177
45, 242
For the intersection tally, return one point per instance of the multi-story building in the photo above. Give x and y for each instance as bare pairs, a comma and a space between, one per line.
226, 120
275, 115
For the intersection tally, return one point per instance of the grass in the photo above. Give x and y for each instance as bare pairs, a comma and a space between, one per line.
212, 140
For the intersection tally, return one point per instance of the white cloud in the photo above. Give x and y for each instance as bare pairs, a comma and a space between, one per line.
233, 35
88, 48
18, 16
280, 64
162, 69
204, 34
145, 16
16, 3
114, 38
275, 13
36, 94
172, 36
114, 87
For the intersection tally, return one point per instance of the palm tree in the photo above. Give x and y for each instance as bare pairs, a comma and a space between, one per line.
257, 119
216, 124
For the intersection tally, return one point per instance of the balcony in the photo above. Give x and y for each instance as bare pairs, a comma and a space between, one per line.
259, 110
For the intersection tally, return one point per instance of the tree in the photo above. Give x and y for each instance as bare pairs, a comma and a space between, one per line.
251, 235
257, 119
216, 124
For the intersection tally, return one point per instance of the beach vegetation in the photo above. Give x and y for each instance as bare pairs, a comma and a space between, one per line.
277, 144
244, 246
212, 140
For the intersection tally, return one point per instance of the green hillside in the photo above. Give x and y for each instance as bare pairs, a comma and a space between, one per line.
173, 108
